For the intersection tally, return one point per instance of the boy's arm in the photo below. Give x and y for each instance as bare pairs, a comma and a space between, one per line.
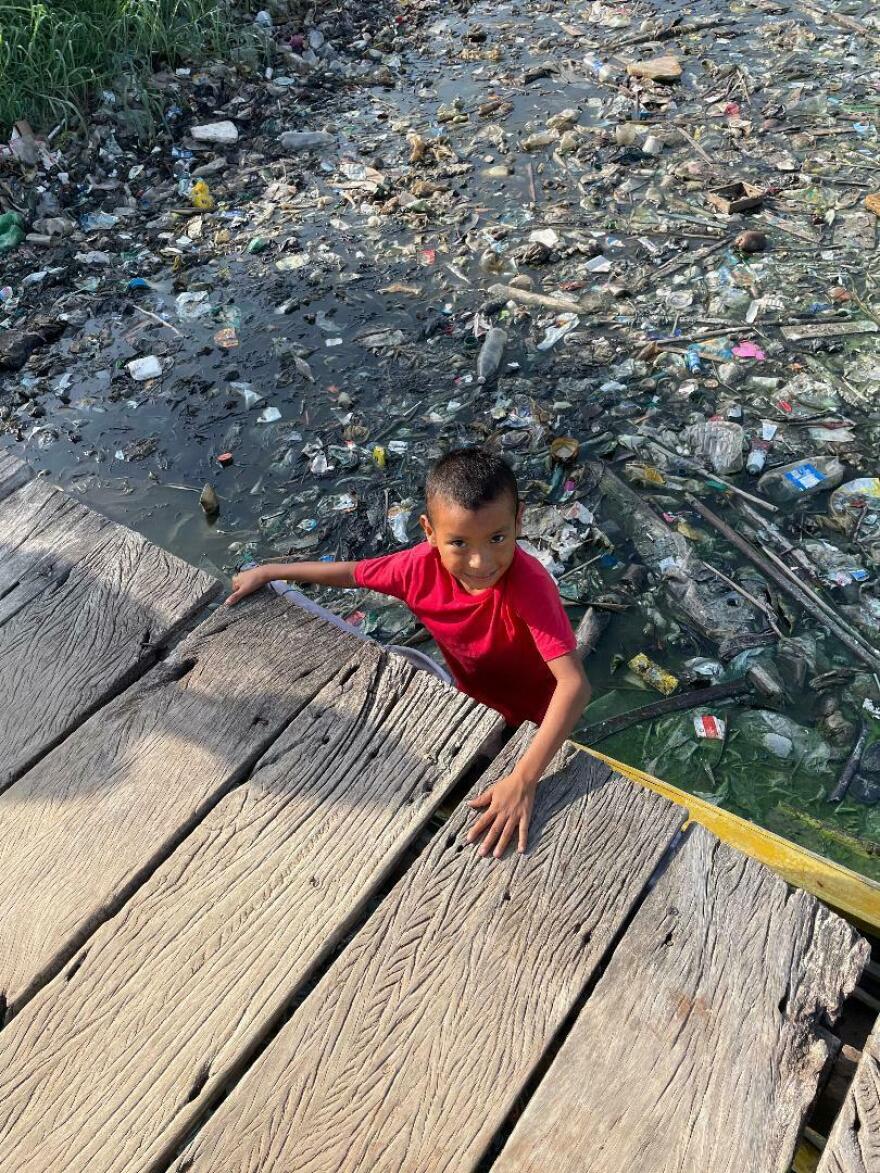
507, 805
338, 574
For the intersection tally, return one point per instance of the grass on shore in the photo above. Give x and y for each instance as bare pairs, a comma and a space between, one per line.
57, 55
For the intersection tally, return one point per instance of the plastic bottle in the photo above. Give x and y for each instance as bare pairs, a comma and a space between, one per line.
793, 482
692, 360
491, 354
757, 457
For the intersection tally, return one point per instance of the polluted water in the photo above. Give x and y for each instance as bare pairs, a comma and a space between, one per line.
631, 246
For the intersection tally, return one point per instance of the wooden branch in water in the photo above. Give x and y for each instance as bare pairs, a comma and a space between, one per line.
850, 766
673, 31
671, 704
771, 566
589, 631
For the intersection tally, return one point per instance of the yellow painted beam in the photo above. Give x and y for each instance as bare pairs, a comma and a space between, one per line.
855, 896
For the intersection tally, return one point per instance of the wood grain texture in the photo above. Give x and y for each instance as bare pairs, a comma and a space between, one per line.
701, 1047
108, 1066
13, 473
854, 1143
84, 604
412, 1048
88, 823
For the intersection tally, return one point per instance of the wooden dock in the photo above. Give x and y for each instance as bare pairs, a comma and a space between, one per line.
238, 936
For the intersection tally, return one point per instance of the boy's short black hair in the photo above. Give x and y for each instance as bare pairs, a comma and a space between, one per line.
471, 478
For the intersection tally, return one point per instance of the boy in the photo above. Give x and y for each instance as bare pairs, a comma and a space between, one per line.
494, 612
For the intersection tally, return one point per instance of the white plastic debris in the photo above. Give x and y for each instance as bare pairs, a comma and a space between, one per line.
215, 132
563, 323
249, 395
192, 305
546, 236
398, 520
141, 369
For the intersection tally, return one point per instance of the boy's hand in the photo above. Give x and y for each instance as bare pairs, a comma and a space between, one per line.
245, 583
507, 807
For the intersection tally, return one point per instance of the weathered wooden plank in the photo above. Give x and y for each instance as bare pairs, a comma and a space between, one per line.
108, 1066
13, 473
700, 1048
88, 823
84, 605
854, 1143
414, 1045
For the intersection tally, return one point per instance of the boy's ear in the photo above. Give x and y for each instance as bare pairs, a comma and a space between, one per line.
425, 523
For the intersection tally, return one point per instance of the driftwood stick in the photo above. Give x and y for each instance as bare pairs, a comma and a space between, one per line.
756, 603
825, 607
846, 22
800, 592
533, 192
687, 462
671, 704
778, 538
539, 300
589, 631
838, 794
673, 31
682, 262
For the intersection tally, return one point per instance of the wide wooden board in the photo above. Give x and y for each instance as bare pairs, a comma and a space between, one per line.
84, 605
854, 1143
108, 1066
84, 827
700, 1048
413, 1047
13, 473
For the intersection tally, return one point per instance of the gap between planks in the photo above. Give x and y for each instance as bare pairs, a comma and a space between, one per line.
494, 1148
365, 708
303, 988
455, 901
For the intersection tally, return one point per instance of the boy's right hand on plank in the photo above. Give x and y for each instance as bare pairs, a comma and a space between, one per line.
245, 583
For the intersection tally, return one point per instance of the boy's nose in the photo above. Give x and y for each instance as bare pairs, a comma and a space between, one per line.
480, 564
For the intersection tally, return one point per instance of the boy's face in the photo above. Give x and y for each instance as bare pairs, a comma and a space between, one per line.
475, 545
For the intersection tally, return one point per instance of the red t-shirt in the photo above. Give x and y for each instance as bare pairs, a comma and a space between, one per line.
496, 643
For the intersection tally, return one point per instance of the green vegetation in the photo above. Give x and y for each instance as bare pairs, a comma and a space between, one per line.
56, 55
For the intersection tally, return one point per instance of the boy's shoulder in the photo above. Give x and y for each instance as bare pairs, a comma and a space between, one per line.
410, 555
528, 575
418, 563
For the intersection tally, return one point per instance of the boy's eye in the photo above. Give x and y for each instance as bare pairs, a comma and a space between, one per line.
499, 538
458, 543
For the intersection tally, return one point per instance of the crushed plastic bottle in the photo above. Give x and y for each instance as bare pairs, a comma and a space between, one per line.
803, 478
757, 457
491, 354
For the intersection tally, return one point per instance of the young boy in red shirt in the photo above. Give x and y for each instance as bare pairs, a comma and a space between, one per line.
494, 612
